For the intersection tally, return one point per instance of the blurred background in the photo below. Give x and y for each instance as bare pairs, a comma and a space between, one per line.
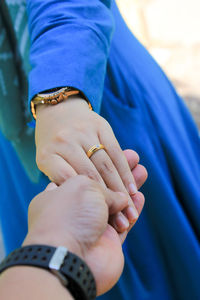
170, 30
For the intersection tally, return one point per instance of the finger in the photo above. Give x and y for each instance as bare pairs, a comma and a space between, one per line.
79, 161
86, 167
57, 169
116, 201
51, 186
140, 174
131, 213
138, 200
132, 158
119, 222
111, 177
119, 160
107, 170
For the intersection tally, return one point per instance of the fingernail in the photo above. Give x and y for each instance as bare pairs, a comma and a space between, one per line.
121, 222
132, 189
132, 214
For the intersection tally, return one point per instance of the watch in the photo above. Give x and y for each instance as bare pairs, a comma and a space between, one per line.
54, 96
71, 270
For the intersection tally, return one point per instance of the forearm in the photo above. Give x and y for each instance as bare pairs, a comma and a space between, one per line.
22, 283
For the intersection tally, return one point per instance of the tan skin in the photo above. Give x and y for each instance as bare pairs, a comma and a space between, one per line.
64, 134
82, 202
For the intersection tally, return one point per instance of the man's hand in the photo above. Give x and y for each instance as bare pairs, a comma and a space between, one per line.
76, 215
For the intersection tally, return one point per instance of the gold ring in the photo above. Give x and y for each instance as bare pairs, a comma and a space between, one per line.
94, 149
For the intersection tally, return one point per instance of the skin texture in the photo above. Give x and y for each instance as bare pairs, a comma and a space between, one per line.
64, 134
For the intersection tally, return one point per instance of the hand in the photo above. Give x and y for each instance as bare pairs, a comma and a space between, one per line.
75, 215
64, 134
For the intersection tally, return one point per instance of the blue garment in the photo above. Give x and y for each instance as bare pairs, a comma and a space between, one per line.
64, 32
162, 251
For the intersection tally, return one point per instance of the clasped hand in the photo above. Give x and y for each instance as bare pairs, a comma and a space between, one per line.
75, 215
64, 134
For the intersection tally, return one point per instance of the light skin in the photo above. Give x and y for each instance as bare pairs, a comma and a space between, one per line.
82, 202
64, 134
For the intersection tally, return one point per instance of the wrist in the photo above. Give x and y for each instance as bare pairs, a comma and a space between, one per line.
55, 241
73, 103
71, 270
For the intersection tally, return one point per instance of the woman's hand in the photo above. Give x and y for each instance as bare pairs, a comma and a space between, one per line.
75, 215
64, 134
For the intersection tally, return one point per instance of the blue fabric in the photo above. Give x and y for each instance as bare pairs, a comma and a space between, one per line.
17, 190
162, 251
75, 31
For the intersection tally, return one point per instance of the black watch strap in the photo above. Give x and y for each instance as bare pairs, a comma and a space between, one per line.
68, 267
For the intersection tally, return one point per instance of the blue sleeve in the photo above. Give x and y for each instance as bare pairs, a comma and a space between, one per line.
70, 43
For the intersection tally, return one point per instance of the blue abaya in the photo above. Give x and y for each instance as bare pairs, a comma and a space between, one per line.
162, 251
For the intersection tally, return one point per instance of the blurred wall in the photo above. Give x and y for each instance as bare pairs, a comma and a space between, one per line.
170, 29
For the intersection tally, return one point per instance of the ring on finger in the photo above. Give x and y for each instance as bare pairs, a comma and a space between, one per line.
94, 149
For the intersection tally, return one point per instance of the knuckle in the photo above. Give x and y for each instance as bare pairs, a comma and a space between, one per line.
62, 136
106, 168
92, 175
61, 177
81, 128
84, 182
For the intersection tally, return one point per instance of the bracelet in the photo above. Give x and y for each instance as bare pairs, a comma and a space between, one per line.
54, 98
71, 270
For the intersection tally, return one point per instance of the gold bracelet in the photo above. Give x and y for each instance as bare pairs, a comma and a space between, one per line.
54, 98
